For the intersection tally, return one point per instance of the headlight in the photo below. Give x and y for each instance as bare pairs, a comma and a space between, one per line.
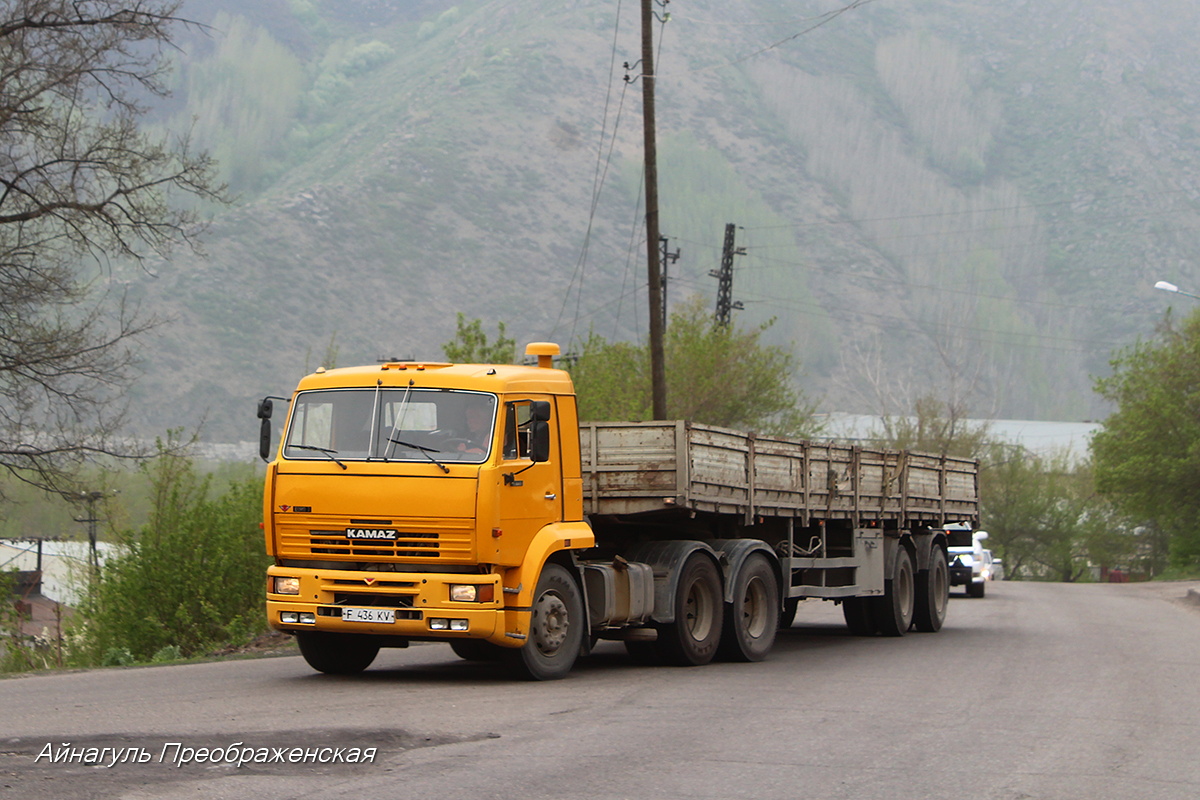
285, 585
471, 593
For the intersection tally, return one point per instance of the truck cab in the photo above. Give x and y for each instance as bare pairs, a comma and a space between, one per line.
413, 501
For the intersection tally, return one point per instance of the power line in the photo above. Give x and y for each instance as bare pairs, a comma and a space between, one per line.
972, 211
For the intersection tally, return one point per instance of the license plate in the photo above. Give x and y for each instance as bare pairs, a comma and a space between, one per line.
384, 615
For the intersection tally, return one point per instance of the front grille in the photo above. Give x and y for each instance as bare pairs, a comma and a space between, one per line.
376, 584
417, 540
406, 544
375, 600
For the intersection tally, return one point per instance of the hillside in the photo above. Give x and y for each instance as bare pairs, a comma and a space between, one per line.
967, 198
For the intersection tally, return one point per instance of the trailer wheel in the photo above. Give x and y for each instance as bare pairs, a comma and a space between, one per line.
337, 653
692, 639
933, 593
859, 615
476, 650
556, 629
752, 619
894, 611
787, 617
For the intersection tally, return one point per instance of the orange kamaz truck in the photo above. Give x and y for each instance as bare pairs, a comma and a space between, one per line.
467, 504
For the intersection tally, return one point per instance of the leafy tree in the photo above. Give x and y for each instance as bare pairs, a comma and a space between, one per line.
79, 183
715, 374
937, 426
1147, 454
190, 578
1015, 498
1044, 518
471, 346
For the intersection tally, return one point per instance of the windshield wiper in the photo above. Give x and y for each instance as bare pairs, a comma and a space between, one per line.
330, 454
399, 419
425, 451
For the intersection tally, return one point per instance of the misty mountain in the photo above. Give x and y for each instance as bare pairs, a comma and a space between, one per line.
967, 199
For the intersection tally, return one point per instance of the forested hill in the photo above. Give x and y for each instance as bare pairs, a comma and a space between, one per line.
970, 199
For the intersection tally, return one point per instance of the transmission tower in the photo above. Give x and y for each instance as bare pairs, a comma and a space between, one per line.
725, 302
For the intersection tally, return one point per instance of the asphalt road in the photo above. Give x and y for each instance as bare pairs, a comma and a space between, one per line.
1036, 691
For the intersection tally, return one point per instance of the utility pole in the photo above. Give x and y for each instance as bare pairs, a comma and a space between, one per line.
91, 519
667, 258
725, 302
658, 373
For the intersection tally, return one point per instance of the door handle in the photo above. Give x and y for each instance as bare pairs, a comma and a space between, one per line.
550, 495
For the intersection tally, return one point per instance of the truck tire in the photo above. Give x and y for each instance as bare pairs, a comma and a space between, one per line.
692, 639
337, 653
933, 593
752, 619
476, 650
556, 629
787, 617
894, 611
976, 589
859, 615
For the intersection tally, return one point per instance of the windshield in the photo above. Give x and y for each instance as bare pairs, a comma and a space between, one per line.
393, 424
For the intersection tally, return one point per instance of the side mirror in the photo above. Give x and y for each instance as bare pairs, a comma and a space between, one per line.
264, 439
539, 410
539, 441
265, 407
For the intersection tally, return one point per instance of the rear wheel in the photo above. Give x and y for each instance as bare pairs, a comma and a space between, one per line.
788, 616
692, 639
976, 589
859, 616
752, 619
337, 653
894, 611
556, 628
933, 593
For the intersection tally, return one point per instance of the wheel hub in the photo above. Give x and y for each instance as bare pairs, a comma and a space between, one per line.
551, 623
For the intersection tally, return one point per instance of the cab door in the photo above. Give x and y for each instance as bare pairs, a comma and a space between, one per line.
530, 492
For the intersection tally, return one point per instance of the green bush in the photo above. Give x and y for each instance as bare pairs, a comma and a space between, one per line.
190, 580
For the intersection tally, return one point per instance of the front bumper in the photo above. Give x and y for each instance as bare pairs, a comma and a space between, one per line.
419, 601
961, 576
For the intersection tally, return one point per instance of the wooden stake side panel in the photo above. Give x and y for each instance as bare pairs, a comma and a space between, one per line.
641, 467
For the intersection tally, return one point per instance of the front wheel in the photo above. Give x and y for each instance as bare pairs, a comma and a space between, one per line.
556, 629
337, 653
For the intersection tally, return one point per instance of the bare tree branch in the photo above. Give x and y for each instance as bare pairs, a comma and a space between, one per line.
80, 182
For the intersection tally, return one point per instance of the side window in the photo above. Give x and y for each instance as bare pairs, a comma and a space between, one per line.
517, 420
